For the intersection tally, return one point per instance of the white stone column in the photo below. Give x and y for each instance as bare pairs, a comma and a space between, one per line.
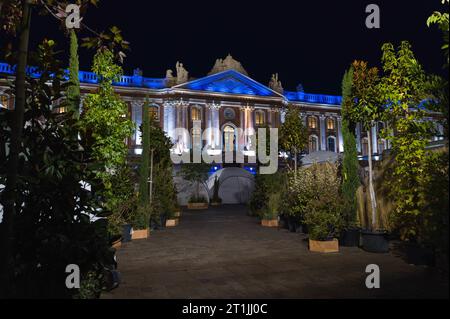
358, 137
303, 117
166, 106
374, 138
171, 121
283, 116
323, 145
215, 124
136, 117
339, 129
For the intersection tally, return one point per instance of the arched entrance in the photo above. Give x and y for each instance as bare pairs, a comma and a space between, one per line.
229, 138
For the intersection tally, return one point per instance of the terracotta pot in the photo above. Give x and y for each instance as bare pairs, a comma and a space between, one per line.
172, 222
324, 246
197, 205
269, 222
140, 234
117, 244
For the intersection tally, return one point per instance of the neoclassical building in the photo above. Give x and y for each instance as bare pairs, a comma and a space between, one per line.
225, 100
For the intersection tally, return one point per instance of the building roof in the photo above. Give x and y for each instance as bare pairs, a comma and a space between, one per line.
229, 82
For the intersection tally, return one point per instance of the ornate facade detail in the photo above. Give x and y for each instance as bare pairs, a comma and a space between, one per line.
227, 64
182, 74
275, 84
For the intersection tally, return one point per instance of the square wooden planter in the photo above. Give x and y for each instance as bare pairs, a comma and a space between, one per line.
172, 222
269, 222
216, 203
197, 205
328, 246
140, 233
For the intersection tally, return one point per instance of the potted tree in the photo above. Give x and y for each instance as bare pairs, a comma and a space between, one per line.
216, 200
293, 202
350, 234
366, 108
140, 222
196, 173
322, 206
270, 211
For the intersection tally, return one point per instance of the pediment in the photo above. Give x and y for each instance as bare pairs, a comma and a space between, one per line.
229, 82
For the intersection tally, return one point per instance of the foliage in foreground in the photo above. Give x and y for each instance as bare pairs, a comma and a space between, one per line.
53, 226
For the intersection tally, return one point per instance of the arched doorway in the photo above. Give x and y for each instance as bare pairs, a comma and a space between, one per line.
313, 143
331, 141
229, 138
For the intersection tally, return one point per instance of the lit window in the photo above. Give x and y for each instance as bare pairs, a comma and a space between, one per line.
312, 122
153, 112
196, 114
3, 101
259, 118
330, 124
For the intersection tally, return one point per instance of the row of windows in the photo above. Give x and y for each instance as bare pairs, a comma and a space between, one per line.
196, 115
313, 123
313, 143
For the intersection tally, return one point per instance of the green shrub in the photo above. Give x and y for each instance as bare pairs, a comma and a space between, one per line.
198, 199
265, 184
321, 202
141, 217
272, 207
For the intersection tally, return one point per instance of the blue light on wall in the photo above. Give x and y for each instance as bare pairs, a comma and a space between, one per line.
229, 82
250, 169
214, 168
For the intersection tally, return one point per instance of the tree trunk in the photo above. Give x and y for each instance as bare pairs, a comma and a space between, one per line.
295, 162
373, 200
16, 124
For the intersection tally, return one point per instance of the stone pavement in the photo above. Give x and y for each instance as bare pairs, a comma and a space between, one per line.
223, 253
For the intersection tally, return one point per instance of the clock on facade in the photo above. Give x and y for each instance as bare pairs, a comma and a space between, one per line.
229, 114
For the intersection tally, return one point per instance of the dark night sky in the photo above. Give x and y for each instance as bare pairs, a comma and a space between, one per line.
308, 42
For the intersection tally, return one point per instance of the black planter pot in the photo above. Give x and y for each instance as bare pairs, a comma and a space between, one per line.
126, 233
305, 229
284, 221
418, 255
375, 242
292, 223
350, 237
162, 220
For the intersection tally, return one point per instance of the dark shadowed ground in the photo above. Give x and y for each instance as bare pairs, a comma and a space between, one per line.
222, 253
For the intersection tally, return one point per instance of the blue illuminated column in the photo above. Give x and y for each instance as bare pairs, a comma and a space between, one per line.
323, 145
374, 138
339, 128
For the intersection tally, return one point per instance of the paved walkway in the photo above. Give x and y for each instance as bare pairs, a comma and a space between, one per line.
222, 253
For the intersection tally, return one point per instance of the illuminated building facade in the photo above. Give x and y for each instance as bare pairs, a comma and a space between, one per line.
227, 102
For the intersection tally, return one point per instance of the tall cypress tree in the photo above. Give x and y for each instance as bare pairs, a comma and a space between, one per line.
350, 164
73, 90
145, 158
